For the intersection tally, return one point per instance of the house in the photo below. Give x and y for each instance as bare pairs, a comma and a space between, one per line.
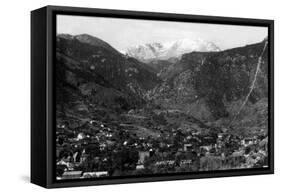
187, 147
140, 167
248, 141
80, 136
220, 136
185, 162
95, 174
206, 148
142, 156
71, 174
165, 162
83, 157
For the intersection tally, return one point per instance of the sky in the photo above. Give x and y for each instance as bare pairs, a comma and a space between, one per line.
125, 33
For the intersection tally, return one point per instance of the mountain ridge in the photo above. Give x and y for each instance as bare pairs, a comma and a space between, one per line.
89, 39
206, 85
211, 85
96, 70
156, 50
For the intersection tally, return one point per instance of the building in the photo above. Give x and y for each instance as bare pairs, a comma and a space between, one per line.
187, 147
71, 174
142, 156
140, 167
95, 174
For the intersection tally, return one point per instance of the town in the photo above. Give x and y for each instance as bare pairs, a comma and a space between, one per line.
141, 143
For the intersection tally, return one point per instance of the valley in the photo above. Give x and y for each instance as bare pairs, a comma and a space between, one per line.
125, 115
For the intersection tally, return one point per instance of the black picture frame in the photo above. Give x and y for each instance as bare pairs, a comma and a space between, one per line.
43, 30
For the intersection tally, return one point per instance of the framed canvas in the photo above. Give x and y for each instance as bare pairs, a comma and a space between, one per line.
126, 96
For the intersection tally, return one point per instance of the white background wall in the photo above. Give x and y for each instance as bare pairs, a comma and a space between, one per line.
15, 94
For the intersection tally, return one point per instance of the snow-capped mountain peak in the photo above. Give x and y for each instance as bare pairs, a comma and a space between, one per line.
170, 49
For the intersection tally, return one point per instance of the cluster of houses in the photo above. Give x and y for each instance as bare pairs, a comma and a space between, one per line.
174, 148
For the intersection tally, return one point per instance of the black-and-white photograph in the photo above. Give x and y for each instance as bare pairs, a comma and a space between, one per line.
148, 97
